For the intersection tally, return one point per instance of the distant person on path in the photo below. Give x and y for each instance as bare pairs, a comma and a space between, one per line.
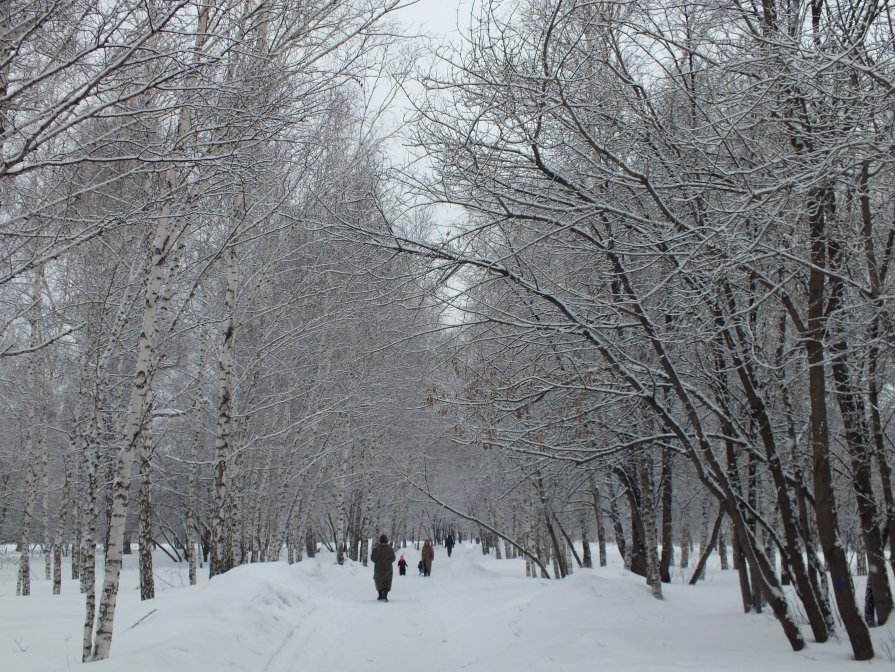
383, 556
449, 544
428, 557
402, 566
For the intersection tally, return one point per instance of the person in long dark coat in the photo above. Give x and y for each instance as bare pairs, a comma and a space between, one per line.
428, 557
449, 544
383, 556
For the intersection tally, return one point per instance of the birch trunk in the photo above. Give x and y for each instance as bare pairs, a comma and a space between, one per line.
162, 244
45, 477
498, 523
222, 558
147, 580
598, 514
280, 534
60, 530
192, 495
586, 557
340, 485
685, 547
531, 569
303, 526
261, 484
191, 544
88, 552
650, 538
75, 546
365, 531
241, 531
722, 550
23, 586
4, 506
164, 239
90, 441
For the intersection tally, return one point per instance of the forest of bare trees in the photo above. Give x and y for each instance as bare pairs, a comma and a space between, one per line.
628, 285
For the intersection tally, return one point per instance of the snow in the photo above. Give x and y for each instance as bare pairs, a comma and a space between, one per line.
474, 613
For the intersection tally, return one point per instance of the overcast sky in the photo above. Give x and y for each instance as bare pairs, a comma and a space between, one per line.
438, 17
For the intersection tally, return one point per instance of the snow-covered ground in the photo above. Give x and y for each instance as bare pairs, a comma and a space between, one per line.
474, 613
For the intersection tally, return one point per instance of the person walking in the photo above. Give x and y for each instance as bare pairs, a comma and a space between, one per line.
428, 557
383, 556
449, 544
402, 566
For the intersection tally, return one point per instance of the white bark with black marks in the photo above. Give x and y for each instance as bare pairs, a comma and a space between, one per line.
163, 240
222, 551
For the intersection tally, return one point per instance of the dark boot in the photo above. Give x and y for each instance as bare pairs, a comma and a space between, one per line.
385, 596
381, 595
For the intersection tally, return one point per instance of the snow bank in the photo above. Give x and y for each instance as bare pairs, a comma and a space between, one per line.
474, 613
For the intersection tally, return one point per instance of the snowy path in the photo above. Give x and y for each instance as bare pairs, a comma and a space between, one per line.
430, 620
473, 614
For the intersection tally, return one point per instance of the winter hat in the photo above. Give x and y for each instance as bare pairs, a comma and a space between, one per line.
383, 539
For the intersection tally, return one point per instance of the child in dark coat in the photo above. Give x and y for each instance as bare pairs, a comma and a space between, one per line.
402, 566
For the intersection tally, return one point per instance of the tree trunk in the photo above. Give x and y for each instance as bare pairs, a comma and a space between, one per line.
636, 560
146, 360
572, 553
222, 559
90, 454
686, 544
825, 499
559, 566
763, 427
4, 506
667, 557
147, 580
699, 570
743, 572
817, 573
58, 538
33, 449
586, 558
722, 550
45, 477
340, 486
874, 421
853, 413
23, 586
617, 526
192, 495
598, 514
648, 515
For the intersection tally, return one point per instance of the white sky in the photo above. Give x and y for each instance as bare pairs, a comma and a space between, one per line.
436, 17
434, 22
